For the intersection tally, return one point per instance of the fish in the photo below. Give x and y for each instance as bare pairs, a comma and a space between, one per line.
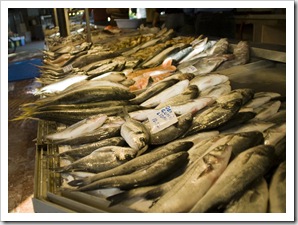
270, 94
102, 159
242, 54
274, 134
137, 163
245, 94
191, 92
192, 105
267, 110
208, 80
244, 169
144, 177
177, 56
135, 134
278, 117
257, 102
214, 116
195, 183
113, 76
216, 91
80, 128
172, 132
81, 151
253, 200
196, 138
59, 86
174, 90
199, 47
98, 135
249, 126
153, 90
277, 190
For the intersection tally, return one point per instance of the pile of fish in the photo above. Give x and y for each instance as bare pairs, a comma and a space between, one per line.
223, 150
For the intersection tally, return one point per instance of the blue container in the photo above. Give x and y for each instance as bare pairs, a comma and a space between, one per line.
23, 70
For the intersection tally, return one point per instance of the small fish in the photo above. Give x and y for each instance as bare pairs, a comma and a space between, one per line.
253, 200
102, 159
80, 128
277, 190
135, 134
144, 177
244, 169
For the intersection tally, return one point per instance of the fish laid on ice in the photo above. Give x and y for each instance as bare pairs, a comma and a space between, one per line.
147, 176
135, 134
277, 190
174, 90
137, 162
244, 169
194, 183
80, 128
102, 159
253, 200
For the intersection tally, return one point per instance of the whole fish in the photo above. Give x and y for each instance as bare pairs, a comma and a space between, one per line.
81, 151
249, 165
267, 110
174, 90
147, 176
195, 183
191, 92
249, 126
208, 80
279, 117
98, 135
80, 128
102, 159
96, 64
214, 116
138, 162
245, 94
59, 86
253, 200
274, 134
172, 132
277, 190
113, 76
257, 102
153, 90
135, 134
177, 56
199, 47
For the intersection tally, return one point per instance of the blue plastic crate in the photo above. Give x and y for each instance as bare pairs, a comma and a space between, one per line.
23, 70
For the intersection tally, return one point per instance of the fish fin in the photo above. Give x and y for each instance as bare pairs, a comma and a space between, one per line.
118, 198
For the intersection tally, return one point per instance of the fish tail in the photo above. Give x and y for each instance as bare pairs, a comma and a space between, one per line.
24, 116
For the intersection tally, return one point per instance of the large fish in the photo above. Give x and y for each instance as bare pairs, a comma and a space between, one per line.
277, 190
214, 116
102, 159
138, 162
253, 200
81, 151
135, 134
80, 128
147, 176
249, 165
174, 90
195, 183
172, 132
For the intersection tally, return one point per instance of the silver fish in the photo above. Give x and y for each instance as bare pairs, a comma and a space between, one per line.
102, 159
267, 110
253, 200
249, 126
216, 91
135, 134
239, 174
279, 117
208, 80
111, 76
277, 190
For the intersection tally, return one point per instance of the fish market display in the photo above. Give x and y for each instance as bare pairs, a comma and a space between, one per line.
223, 149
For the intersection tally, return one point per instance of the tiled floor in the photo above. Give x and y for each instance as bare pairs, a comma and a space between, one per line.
21, 147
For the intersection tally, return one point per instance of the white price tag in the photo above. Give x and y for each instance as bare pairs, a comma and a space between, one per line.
67, 68
161, 119
189, 69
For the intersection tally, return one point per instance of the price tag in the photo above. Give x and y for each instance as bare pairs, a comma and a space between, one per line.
67, 68
189, 69
161, 119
